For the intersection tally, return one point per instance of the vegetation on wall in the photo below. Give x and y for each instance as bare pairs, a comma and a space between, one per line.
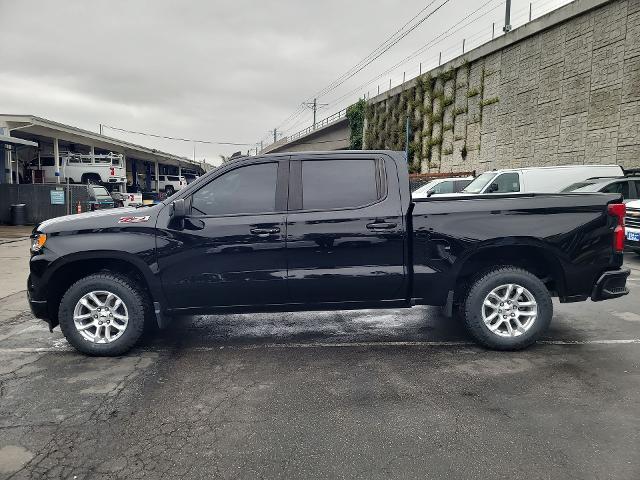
356, 114
424, 104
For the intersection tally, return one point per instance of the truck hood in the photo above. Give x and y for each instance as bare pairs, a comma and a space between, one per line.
116, 217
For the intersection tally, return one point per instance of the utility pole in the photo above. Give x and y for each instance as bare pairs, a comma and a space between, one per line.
507, 17
100, 129
314, 106
275, 135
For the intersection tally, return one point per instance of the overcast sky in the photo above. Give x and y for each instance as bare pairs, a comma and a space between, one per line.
215, 70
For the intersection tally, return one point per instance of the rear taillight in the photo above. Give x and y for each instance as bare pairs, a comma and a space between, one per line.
618, 210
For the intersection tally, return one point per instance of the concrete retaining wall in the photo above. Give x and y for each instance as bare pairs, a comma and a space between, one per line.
563, 89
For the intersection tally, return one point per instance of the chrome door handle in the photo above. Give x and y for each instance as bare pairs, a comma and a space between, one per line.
381, 226
265, 232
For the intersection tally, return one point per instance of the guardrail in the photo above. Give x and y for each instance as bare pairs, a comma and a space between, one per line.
322, 123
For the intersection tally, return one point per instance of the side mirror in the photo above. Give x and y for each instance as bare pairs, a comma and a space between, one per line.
493, 188
178, 209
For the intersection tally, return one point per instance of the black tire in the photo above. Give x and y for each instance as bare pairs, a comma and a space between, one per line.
489, 280
137, 304
169, 190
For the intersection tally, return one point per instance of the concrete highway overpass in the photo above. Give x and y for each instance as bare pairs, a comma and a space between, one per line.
331, 133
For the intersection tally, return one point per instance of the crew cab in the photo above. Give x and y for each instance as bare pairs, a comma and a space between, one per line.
325, 231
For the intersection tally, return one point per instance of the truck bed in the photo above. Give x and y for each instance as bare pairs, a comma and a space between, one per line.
570, 233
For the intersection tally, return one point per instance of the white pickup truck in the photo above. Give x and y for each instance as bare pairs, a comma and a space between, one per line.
81, 168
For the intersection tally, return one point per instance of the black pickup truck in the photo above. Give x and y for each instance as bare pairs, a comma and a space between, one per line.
325, 231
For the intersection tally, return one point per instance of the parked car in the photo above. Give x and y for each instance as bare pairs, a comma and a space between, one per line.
632, 225
100, 198
538, 179
79, 168
439, 186
169, 183
325, 231
628, 187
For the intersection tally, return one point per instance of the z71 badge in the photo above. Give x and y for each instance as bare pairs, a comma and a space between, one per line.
134, 219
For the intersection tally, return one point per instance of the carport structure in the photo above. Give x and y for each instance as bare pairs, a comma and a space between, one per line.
52, 138
9, 147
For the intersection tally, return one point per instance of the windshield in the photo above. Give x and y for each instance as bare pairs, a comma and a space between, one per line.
587, 187
575, 186
479, 183
100, 192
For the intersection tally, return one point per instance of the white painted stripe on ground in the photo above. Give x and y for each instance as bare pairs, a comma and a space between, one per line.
256, 346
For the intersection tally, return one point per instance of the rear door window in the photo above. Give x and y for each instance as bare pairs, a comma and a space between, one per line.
332, 184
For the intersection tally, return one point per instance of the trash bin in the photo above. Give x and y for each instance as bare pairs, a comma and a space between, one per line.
19, 214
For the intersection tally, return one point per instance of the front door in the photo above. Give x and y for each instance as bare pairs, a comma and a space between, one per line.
231, 249
345, 230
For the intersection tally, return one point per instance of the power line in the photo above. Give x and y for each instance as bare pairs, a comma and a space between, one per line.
378, 48
210, 142
376, 53
442, 36
360, 67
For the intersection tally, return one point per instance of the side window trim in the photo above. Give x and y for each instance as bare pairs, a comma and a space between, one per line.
296, 186
281, 178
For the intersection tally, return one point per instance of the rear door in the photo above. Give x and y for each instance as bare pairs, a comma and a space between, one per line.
345, 230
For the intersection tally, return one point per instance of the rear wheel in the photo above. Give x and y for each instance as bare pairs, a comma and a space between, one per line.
507, 308
103, 314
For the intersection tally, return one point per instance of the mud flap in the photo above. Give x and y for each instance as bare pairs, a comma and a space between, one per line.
162, 319
447, 308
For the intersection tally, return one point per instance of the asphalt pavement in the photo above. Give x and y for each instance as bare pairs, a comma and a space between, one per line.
358, 394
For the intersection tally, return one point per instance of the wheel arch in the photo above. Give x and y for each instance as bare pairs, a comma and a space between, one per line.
70, 268
534, 257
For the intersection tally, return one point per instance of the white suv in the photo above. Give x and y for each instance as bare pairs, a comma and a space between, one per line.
170, 183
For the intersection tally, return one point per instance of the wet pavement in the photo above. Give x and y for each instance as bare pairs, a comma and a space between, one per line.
358, 394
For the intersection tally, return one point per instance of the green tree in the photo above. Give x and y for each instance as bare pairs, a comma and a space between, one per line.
355, 114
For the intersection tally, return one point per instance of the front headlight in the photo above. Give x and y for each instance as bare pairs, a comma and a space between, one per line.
37, 242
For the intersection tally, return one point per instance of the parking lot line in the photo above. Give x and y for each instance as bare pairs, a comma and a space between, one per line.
256, 346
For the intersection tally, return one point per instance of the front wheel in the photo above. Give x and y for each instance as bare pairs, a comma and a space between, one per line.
103, 314
169, 190
507, 308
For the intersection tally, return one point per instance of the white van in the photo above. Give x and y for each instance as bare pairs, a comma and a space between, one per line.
538, 179
80, 168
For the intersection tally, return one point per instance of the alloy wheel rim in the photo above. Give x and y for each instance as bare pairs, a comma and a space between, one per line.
100, 316
509, 310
